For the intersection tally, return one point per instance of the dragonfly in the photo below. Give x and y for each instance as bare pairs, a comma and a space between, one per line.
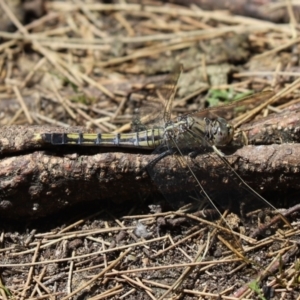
178, 137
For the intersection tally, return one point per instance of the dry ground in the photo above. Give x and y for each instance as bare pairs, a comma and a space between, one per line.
74, 63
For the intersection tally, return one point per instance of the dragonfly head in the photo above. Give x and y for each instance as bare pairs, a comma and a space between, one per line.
220, 132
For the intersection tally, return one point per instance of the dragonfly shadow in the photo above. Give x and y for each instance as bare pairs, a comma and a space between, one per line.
189, 177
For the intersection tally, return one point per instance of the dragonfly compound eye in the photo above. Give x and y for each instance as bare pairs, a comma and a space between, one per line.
223, 132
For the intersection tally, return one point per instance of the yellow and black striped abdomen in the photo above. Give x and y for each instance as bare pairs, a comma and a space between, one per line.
148, 139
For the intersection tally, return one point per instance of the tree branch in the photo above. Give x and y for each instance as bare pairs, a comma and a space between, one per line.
39, 179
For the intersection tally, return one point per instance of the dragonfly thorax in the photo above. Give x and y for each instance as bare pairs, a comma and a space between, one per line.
174, 129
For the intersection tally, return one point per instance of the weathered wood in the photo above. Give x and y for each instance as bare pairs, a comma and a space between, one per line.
40, 183
279, 128
37, 179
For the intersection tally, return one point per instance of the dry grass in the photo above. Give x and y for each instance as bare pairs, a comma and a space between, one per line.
76, 65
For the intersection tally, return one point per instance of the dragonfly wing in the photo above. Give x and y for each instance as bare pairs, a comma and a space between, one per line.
169, 90
187, 180
175, 176
229, 111
154, 107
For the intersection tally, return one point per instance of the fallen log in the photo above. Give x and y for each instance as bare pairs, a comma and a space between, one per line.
38, 179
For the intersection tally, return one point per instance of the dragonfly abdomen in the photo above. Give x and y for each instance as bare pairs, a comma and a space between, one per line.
148, 139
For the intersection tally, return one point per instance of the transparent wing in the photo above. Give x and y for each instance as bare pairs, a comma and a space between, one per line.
153, 103
169, 90
183, 178
229, 111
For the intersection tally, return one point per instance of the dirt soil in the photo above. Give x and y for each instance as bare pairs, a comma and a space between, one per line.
65, 64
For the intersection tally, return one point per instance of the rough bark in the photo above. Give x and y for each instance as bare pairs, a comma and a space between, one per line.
280, 128
40, 183
37, 179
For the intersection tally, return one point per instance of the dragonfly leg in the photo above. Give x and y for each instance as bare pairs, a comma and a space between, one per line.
195, 153
159, 157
